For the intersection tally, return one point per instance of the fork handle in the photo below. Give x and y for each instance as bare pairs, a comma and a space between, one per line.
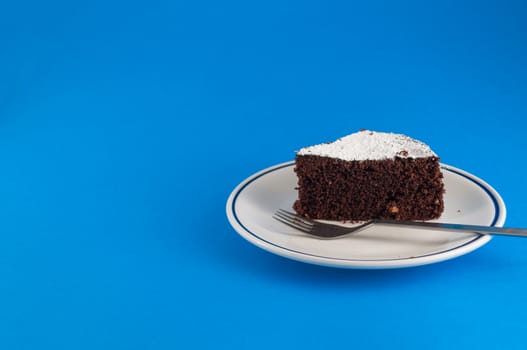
484, 230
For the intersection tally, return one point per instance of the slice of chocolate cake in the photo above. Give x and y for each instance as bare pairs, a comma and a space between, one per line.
369, 175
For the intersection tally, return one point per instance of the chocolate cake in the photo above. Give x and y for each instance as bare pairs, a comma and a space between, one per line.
369, 175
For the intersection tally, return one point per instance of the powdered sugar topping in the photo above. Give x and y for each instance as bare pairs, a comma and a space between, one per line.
370, 145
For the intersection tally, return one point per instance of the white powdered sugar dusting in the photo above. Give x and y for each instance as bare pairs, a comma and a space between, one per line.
370, 145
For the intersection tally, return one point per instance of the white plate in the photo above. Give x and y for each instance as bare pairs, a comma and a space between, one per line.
468, 200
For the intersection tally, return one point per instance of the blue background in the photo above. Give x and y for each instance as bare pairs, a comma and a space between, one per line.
124, 126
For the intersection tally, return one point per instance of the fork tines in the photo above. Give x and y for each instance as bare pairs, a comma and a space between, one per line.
316, 228
293, 220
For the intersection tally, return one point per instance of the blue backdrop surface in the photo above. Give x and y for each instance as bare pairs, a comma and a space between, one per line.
124, 126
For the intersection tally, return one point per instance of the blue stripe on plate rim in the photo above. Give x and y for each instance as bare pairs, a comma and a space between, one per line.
480, 183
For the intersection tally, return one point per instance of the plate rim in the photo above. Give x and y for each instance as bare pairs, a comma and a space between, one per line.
450, 253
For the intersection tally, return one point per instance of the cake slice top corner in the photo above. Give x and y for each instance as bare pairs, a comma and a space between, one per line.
370, 145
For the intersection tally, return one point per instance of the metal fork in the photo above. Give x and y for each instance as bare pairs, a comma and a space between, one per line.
324, 230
